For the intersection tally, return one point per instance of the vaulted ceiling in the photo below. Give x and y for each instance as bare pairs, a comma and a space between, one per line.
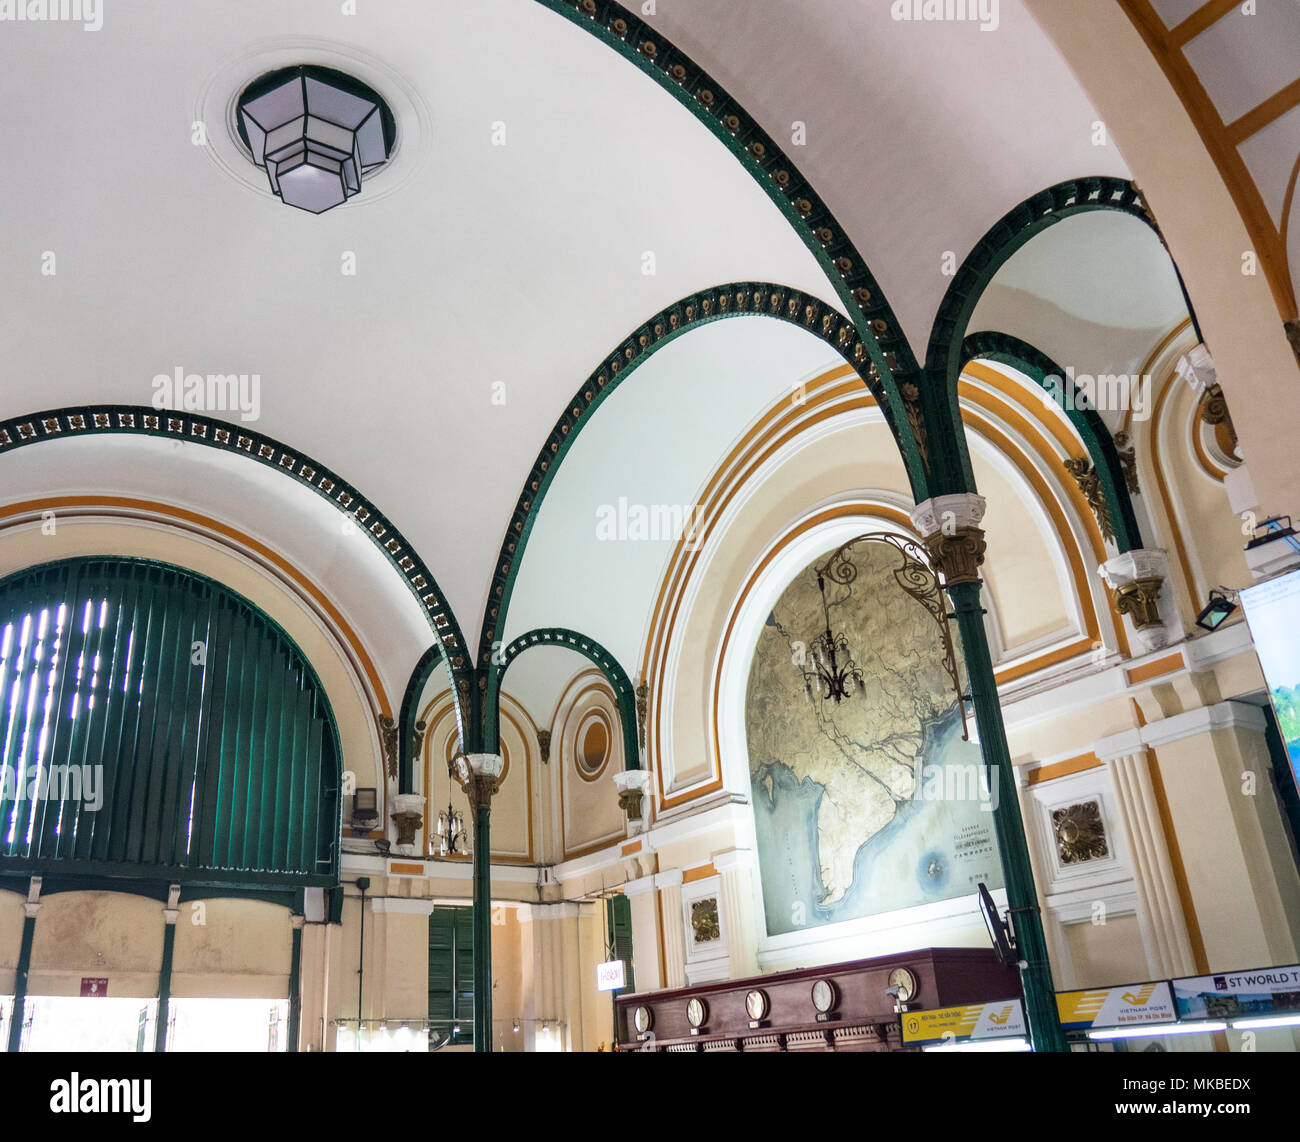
546, 198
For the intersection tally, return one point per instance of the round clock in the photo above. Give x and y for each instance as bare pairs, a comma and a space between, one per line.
696, 1012
906, 983
823, 995
643, 1019
756, 1004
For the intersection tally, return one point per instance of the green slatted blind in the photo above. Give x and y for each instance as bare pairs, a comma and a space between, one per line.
618, 922
155, 723
451, 971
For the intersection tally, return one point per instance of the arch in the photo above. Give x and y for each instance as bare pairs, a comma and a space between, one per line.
407, 716
737, 299
1004, 349
90, 420
945, 357
219, 761
596, 654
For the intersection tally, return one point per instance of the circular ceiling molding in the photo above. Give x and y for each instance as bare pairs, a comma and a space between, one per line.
216, 107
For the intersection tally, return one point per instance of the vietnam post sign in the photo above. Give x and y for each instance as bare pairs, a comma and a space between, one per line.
975, 1023
1130, 1006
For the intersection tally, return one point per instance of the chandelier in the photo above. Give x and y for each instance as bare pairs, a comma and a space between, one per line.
834, 674
452, 839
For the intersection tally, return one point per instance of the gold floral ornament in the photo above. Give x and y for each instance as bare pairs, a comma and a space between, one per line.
1080, 833
704, 920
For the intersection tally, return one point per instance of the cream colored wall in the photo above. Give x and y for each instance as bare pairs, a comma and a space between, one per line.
27, 547
231, 948
589, 808
11, 937
1106, 954
97, 934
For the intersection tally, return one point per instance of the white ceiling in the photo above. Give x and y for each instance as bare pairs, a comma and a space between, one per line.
519, 264
477, 264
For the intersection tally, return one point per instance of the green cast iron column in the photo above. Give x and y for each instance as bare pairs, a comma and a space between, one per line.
295, 984
165, 987
482, 926
1036, 972
20, 979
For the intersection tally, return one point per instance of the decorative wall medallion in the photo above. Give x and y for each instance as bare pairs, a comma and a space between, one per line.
1080, 833
704, 920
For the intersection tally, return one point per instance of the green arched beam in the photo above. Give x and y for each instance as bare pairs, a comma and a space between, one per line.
928, 445
591, 650
738, 299
1092, 430
139, 420
407, 716
944, 360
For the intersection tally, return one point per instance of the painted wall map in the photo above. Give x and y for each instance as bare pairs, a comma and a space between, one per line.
877, 803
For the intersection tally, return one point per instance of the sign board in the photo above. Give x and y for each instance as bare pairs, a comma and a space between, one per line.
610, 976
93, 987
1273, 615
977, 1022
1132, 1006
1268, 991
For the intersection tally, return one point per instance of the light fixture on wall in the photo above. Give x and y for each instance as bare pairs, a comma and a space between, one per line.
316, 132
834, 673
1223, 601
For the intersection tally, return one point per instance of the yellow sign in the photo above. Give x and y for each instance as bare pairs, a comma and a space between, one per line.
1005, 1019
1116, 1006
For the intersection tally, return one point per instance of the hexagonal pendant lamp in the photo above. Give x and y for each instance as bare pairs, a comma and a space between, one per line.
316, 132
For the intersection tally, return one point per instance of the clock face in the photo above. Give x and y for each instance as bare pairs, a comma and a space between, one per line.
696, 1012
642, 1019
905, 981
823, 995
756, 1004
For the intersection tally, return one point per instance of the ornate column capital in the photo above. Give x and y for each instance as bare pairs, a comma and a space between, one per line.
408, 816
1137, 577
632, 786
478, 775
950, 529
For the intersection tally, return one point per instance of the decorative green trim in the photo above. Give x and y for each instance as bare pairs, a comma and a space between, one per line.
738, 299
1087, 423
590, 649
771, 168
410, 712
87, 420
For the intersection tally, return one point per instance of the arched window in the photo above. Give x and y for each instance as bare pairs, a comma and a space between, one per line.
155, 724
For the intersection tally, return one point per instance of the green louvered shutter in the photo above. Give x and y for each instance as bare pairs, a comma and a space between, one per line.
154, 723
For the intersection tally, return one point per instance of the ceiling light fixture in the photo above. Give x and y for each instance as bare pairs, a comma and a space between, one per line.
316, 132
